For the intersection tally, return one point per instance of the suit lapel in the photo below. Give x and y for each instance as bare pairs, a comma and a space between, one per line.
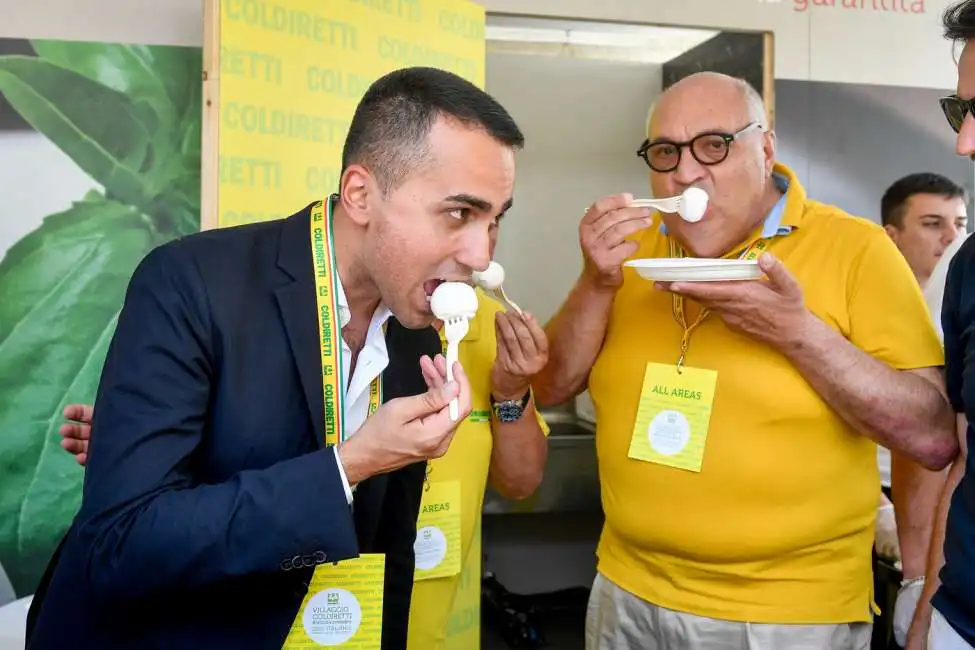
296, 301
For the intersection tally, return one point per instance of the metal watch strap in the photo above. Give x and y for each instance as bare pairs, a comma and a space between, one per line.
510, 410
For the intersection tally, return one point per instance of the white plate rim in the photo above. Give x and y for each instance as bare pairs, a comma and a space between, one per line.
695, 269
685, 263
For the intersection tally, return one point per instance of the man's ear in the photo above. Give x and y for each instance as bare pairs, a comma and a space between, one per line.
768, 144
891, 231
355, 189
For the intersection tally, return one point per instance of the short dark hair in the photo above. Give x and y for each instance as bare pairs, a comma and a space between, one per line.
958, 21
895, 198
389, 130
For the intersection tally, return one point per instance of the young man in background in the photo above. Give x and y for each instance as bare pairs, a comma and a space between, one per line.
923, 214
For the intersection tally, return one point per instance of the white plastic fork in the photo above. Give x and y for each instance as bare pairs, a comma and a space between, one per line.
670, 204
455, 329
499, 292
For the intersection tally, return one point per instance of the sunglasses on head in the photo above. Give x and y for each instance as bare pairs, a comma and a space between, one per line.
956, 110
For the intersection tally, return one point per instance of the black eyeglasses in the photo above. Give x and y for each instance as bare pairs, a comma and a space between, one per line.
708, 148
956, 110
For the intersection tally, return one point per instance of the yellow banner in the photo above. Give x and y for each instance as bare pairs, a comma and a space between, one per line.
289, 76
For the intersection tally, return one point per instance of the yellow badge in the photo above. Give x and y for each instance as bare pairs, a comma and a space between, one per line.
672, 420
343, 607
437, 545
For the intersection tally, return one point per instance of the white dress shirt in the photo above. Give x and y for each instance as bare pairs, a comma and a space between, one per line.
935, 288
372, 360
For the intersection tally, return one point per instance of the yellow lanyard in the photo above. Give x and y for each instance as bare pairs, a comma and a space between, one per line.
753, 252
329, 334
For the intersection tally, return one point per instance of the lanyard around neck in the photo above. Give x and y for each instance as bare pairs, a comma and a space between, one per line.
329, 329
752, 252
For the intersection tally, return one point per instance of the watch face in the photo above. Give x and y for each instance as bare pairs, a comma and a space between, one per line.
509, 411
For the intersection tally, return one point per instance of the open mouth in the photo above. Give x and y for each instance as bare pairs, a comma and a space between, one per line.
431, 285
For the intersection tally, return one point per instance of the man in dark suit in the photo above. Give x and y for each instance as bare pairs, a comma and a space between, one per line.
212, 491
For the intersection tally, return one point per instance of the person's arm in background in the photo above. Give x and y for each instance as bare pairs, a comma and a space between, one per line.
915, 493
577, 331
575, 336
954, 329
520, 448
917, 636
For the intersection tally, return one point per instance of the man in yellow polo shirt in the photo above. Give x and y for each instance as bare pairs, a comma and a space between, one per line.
503, 438
499, 361
737, 422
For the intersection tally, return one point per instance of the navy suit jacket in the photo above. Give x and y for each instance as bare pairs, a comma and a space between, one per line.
208, 495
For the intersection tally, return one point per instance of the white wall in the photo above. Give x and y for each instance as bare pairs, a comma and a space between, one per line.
169, 22
583, 121
848, 143
863, 41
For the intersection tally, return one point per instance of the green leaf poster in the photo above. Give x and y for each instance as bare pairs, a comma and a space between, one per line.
100, 164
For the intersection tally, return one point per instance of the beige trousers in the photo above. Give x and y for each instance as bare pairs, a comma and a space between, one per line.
618, 620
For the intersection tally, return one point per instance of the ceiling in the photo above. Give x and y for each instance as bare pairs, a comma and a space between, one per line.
651, 44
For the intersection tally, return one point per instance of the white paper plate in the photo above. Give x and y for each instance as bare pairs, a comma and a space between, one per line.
692, 269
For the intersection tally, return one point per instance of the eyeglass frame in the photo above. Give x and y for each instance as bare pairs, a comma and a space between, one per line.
967, 106
728, 138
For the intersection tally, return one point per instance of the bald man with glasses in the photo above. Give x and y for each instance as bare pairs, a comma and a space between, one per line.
708, 148
738, 422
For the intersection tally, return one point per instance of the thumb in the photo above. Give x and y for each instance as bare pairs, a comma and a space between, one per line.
425, 404
777, 274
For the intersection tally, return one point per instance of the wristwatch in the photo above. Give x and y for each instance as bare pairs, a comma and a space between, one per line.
510, 410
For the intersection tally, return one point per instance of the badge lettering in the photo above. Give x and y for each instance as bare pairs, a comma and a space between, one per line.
682, 393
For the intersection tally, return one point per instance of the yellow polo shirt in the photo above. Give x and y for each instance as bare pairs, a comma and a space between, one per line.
435, 622
777, 525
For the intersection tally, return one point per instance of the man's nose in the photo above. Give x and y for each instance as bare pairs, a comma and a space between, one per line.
475, 249
965, 143
689, 170
949, 233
